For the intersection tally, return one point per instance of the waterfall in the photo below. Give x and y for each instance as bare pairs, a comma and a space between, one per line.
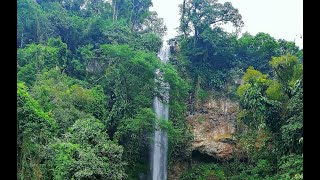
159, 147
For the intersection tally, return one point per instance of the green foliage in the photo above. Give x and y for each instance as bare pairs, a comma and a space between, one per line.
82, 65
85, 86
178, 132
213, 80
149, 42
29, 111
291, 167
87, 153
272, 107
257, 50
200, 15
262, 170
203, 95
253, 76
203, 172
39, 56
35, 128
126, 91
291, 48
275, 92
90, 101
35, 58
154, 24
252, 96
134, 134
26, 74
134, 11
96, 8
211, 51
211, 56
284, 67
62, 49
88, 130
292, 129
141, 123
58, 20
64, 159
66, 99
288, 71
32, 23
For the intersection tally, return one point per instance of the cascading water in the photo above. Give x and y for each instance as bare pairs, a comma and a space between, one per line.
161, 107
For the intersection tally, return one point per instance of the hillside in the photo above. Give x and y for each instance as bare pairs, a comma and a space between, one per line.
88, 74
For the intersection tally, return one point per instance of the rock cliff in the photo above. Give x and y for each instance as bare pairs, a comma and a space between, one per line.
213, 126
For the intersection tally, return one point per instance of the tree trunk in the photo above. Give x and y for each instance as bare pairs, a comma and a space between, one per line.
21, 42
114, 11
196, 32
37, 30
183, 18
196, 92
131, 13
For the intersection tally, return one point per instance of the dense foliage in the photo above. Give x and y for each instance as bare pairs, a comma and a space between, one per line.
262, 73
86, 69
85, 89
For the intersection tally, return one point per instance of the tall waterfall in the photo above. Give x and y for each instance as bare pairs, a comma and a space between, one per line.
161, 107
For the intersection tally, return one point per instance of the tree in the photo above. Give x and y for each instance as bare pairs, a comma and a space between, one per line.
257, 51
153, 24
135, 133
275, 104
89, 68
135, 11
291, 48
35, 128
98, 8
62, 53
33, 59
252, 97
202, 14
36, 58
67, 98
73, 5
126, 91
288, 72
32, 23
139, 12
210, 49
292, 128
86, 81
87, 153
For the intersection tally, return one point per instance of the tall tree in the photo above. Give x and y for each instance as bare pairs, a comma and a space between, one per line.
135, 11
198, 15
32, 23
153, 24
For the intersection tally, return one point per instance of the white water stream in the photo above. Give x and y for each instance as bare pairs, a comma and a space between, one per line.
161, 107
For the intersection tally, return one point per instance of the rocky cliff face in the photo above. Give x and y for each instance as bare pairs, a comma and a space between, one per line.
213, 126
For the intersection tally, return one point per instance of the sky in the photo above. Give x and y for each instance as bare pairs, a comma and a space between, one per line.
282, 19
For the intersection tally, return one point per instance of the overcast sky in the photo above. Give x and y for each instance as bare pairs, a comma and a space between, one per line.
279, 18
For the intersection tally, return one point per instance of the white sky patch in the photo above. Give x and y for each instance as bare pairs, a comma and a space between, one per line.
169, 11
282, 19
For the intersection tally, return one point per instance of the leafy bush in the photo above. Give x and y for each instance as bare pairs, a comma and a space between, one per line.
204, 172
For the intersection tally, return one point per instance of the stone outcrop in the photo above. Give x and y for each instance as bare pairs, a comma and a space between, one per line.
177, 169
213, 126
